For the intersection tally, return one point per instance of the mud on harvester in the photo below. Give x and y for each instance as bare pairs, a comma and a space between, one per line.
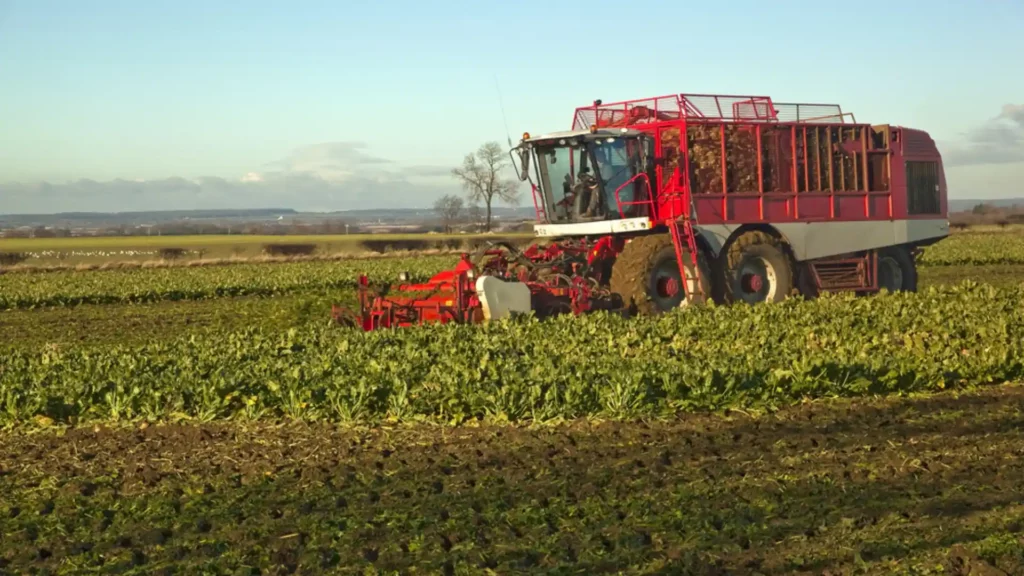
647, 205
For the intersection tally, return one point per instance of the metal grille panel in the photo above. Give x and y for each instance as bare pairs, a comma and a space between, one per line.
706, 107
812, 113
714, 107
923, 188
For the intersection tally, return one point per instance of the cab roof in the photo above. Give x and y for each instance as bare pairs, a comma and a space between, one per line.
583, 134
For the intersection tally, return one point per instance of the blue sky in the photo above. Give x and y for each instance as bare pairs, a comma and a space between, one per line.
332, 105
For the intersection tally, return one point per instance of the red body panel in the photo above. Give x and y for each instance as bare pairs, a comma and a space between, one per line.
865, 178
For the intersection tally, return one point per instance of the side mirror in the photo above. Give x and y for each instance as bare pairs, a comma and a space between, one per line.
524, 163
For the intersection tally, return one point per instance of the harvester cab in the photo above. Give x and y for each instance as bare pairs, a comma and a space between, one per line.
588, 175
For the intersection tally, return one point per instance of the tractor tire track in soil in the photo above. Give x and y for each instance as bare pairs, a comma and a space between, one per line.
882, 487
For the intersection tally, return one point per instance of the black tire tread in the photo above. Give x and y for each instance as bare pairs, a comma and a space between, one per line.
734, 255
906, 262
633, 267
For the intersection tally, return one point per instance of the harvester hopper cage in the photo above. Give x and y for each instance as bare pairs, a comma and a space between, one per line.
705, 108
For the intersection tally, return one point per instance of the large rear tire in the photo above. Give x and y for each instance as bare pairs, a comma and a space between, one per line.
897, 271
646, 276
755, 268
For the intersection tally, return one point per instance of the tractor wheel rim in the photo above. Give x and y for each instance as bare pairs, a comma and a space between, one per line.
890, 275
666, 287
756, 280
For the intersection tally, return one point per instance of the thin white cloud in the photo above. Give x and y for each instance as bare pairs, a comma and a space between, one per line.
998, 141
329, 160
335, 175
298, 191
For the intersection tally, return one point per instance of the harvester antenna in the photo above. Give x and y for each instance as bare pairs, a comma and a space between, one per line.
501, 104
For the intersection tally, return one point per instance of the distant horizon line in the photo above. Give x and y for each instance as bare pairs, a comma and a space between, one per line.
280, 210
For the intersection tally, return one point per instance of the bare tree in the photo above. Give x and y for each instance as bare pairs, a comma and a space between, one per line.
448, 207
475, 215
480, 176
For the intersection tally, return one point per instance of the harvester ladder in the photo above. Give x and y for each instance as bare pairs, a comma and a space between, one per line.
539, 204
682, 231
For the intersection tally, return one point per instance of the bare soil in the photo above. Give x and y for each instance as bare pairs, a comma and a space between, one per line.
898, 486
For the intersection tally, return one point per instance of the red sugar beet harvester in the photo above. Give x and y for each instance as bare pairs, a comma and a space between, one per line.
647, 205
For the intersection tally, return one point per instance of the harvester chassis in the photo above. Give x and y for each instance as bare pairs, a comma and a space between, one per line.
635, 276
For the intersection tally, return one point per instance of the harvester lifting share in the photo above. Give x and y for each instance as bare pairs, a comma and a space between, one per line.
497, 281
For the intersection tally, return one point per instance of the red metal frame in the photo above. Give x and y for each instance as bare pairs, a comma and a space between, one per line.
539, 205
850, 273
450, 296
648, 198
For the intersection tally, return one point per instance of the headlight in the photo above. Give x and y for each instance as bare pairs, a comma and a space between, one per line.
403, 277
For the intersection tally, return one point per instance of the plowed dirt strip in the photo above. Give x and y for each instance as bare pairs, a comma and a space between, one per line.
922, 486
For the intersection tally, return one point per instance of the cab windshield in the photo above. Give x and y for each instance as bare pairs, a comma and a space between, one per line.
578, 191
616, 160
560, 167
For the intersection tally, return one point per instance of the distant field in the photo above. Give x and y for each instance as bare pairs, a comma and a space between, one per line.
974, 248
993, 228
48, 251
121, 242
987, 246
141, 285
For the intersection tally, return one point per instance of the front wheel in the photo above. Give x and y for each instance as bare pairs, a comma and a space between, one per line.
646, 276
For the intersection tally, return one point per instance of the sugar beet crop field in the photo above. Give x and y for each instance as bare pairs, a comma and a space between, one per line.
208, 420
